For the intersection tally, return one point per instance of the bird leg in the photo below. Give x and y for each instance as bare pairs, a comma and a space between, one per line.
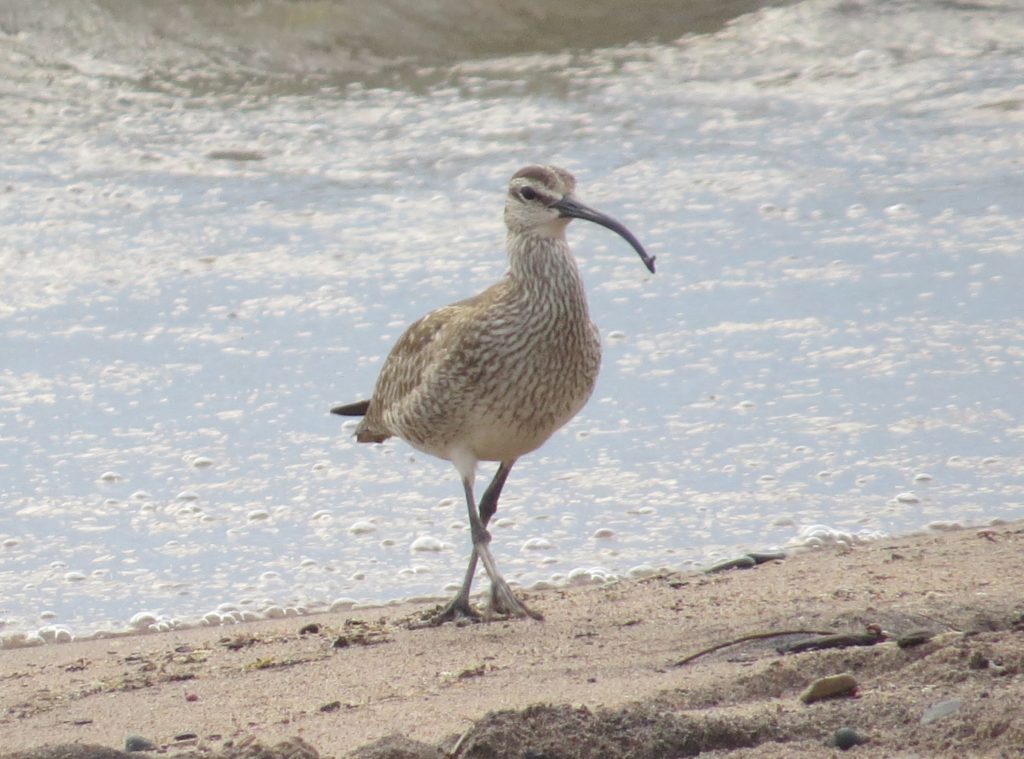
488, 506
489, 503
460, 606
503, 601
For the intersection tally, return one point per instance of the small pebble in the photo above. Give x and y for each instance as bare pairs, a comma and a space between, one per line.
828, 687
138, 743
846, 738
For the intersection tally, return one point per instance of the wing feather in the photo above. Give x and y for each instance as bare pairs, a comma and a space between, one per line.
419, 354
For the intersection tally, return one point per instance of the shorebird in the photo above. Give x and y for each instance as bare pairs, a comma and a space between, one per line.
492, 377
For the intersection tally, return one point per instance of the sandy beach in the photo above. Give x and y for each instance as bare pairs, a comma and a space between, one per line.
603, 676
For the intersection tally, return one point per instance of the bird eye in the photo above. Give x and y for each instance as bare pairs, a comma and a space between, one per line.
528, 193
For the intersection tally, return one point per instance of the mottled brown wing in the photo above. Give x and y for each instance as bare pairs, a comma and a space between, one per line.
409, 360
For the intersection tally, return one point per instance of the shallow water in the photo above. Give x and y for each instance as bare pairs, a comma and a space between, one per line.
195, 267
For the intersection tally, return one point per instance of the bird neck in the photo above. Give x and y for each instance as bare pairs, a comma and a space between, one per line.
544, 264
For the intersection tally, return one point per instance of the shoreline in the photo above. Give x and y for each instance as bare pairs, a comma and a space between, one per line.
604, 656
145, 622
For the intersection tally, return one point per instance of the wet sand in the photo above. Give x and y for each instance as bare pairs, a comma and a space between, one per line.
601, 677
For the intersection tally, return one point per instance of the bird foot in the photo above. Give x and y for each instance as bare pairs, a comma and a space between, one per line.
504, 602
458, 610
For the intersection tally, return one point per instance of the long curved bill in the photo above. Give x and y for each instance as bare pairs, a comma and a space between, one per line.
570, 207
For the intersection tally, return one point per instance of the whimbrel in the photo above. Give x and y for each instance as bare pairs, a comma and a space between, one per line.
491, 378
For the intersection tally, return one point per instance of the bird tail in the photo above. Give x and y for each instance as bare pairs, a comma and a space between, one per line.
352, 409
363, 435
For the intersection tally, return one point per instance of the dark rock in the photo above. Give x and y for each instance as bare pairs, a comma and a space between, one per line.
846, 738
138, 743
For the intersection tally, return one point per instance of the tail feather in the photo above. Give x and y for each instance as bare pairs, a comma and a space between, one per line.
359, 409
352, 409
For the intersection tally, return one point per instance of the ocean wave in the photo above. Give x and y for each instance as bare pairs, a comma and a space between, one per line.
198, 42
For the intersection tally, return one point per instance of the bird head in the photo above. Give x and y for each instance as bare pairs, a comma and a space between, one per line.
541, 201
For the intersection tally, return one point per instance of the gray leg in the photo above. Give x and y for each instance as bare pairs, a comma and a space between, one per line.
489, 503
502, 599
488, 506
